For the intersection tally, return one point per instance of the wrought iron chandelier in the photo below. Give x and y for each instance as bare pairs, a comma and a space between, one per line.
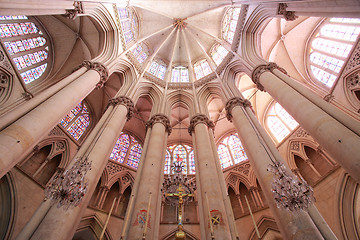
68, 188
289, 192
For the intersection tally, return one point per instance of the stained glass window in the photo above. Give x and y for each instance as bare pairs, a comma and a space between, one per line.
280, 122
180, 153
128, 24
331, 47
180, 74
26, 44
202, 69
141, 52
229, 24
127, 150
231, 151
76, 121
218, 53
158, 69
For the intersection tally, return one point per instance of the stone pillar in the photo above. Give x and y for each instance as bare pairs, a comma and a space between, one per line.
60, 224
151, 181
338, 135
292, 226
208, 179
27, 106
20, 137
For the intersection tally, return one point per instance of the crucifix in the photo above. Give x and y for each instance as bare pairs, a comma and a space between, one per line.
180, 194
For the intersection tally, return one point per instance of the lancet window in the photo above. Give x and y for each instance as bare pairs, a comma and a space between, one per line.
76, 121
127, 150
202, 69
331, 47
229, 24
158, 69
180, 74
218, 53
280, 122
180, 154
128, 24
231, 151
141, 52
27, 45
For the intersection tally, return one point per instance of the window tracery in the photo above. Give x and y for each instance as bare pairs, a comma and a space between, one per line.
76, 121
280, 122
331, 46
141, 53
231, 151
180, 74
27, 46
229, 24
218, 53
127, 150
202, 69
158, 69
180, 153
128, 24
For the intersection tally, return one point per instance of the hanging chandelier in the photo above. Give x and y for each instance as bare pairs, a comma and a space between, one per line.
289, 192
68, 188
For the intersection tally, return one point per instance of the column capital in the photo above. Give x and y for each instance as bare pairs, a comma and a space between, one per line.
100, 68
159, 118
125, 101
255, 76
72, 13
235, 101
288, 15
200, 118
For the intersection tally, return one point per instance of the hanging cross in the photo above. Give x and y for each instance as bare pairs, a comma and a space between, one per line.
180, 194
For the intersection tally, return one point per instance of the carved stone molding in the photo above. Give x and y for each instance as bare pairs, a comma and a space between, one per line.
354, 60
56, 131
72, 13
27, 95
160, 118
200, 118
205, 80
154, 79
184, 86
353, 81
100, 68
264, 68
59, 145
240, 26
301, 133
235, 101
125, 101
329, 97
139, 68
2, 56
288, 15
114, 168
225, 63
295, 146
5, 80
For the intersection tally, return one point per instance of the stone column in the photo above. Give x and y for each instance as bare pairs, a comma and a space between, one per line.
151, 180
292, 226
60, 224
27, 106
333, 131
208, 179
20, 137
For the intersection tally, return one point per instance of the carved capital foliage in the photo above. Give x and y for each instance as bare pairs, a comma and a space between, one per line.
125, 101
100, 68
235, 101
288, 15
72, 13
160, 118
264, 68
200, 118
